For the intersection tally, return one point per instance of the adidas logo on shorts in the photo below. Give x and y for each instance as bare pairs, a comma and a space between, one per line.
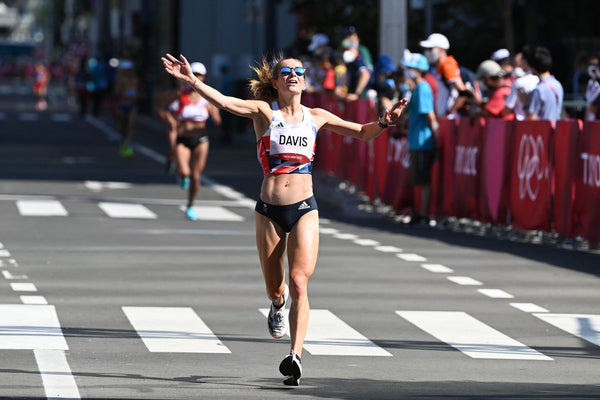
279, 125
303, 206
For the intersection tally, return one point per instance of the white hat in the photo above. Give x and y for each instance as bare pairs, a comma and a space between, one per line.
198, 68
436, 40
500, 54
318, 40
489, 68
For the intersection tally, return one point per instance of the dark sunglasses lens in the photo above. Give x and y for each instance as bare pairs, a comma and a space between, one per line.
285, 71
299, 71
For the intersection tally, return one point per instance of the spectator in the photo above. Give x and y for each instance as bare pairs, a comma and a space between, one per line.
518, 99
319, 62
385, 85
422, 129
592, 92
547, 97
351, 34
451, 90
503, 58
498, 88
357, 73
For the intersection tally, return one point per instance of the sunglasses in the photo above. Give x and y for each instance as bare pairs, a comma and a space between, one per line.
299, 71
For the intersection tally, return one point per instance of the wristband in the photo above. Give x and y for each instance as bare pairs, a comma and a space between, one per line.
382, 126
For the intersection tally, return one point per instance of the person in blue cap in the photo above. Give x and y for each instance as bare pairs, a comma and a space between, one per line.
422, 132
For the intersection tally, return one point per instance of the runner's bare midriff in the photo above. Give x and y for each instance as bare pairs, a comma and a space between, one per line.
191, 128
284, 189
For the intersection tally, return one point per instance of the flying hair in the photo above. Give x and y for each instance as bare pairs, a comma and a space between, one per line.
262, 88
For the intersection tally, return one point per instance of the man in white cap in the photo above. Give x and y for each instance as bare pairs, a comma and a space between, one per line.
452, 94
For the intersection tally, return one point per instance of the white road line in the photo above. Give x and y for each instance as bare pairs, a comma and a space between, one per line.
8, 263
4, 253
529, 307
126, 210
585, 326
28, 116
57, 378
173, 330
495, 293
9, 275
30, 327
41, 208
97, 186
23, 287
328, 231
33, 300
389, 249
470, 336
61, 117
329, 335
366, 242
437, 268
345, 236
464, 280
214, 214
411, 257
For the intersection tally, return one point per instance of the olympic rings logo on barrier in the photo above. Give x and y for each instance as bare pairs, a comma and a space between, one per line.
529, 166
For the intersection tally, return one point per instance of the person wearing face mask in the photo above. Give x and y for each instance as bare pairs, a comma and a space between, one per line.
357, 73
592, 92
422, 133
452, 92
497, 86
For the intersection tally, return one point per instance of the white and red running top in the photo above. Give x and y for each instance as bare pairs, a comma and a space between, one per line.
288, 148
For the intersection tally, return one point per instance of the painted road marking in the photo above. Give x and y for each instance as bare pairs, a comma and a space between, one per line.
206, 213
437, 268
328, 231
366, 242
61, 117
329, 335
28, 116
585, 326
173, 330
411, 257
389, 249
33, 300
9, 275
41, 208
57, 378
496, 293
464, 280
23, 287
529, 307
470, 336
345, 236
4, 253
31, 327
126, 210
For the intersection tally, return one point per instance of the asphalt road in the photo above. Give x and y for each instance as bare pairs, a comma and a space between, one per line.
108, 292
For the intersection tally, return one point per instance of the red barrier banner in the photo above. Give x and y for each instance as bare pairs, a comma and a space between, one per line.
588, 181
530, 178
565, 140
397, 192
467, 165
329, 144
495, 167
442, 173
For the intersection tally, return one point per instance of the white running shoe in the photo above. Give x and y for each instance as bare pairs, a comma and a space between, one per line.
291, 367
277, 319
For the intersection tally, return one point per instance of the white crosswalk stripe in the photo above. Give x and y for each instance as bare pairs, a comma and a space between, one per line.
41, 208
126, 210
471, 336
173, 330
329, 335
585, 326
214, 214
